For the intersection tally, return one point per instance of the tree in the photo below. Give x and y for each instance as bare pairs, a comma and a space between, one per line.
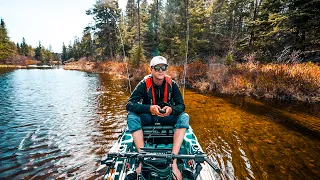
199, 19
64, 55
136, 27
77, 53
151, 25
24, 48
70, 51
105, 15
86, 44
172, 33
7, 48
131, 22
18, 48
38, 52
304, 18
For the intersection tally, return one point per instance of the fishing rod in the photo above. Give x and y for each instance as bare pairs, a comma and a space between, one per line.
124, 53
187, 47
198, 158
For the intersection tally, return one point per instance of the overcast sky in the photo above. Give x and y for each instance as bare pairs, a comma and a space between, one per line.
50, 21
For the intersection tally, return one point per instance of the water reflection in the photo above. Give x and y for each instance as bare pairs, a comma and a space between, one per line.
58, 124
252, 140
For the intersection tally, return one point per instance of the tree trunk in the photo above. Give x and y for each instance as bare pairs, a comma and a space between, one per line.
156, 30
256, 5
109, 37
139, 38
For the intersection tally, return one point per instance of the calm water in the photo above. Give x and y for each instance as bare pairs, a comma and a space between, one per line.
58, 124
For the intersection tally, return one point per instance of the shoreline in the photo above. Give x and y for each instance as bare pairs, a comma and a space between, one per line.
12, 66
307, 123
288, 83
293, 83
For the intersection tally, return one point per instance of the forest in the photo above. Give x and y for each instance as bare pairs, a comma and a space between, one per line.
22, 53
261, 48
281, 31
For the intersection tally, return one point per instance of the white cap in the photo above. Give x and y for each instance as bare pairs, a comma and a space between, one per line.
158, 60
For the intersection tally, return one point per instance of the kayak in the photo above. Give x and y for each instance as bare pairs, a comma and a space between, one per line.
156, 157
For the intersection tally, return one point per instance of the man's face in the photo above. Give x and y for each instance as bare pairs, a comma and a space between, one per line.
159, 71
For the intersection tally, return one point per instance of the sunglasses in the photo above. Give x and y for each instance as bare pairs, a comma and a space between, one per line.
157, 68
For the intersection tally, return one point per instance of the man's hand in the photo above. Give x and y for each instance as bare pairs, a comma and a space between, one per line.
168, 110
154, 110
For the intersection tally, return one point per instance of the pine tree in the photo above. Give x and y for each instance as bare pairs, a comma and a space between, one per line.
64, 55
38, 52
199, 29
173, 31
7, 48
131, 22
86, 45
136, 27
18, 48
304, 18
151, 37
105, 14
70, 51
24, 47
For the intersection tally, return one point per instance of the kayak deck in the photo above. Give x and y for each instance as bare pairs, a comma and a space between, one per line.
156, 156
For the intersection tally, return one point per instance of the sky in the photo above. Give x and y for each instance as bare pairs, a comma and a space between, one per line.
51, 22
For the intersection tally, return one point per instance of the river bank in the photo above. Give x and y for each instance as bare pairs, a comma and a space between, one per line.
288, 82
48, 137
12, 66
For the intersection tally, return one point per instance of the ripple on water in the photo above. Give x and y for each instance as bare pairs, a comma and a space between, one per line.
51, 126
254, 140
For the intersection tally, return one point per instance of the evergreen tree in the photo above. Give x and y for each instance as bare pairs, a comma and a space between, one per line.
7, 48
86, 44
64, 55
105, 15
38, 52
136, 27
70, 51
18, 48
173, 31
131, 22
24, 47
304, 18
151, 39
199, 20
77, 54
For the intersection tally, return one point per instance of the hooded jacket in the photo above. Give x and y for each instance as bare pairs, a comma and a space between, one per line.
141, 97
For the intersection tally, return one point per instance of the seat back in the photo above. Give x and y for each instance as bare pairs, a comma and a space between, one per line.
158, 134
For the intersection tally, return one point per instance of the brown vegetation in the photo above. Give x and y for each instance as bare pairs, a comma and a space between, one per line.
300, 82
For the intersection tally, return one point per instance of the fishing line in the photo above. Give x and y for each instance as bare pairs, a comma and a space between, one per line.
187, 45
124, 54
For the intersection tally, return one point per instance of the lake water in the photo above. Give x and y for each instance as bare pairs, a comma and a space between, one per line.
58, 124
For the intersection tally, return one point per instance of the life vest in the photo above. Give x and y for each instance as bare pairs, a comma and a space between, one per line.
167, 89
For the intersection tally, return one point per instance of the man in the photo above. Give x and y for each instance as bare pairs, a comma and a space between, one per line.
157, 98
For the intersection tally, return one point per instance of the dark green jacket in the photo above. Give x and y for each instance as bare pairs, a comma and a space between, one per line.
140, 99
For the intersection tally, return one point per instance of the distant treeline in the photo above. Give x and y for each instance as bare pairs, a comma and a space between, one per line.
267, 31
11, 53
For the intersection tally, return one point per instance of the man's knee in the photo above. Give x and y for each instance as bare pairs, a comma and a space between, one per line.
183, 121
134, 122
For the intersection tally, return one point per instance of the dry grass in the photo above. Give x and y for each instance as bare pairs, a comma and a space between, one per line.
12, 66
284, 81
299, 82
